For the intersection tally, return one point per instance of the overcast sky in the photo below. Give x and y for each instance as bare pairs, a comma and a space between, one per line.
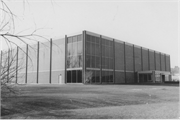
153, 25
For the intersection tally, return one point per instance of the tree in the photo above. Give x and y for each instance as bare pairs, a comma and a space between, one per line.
9, 58
8, 73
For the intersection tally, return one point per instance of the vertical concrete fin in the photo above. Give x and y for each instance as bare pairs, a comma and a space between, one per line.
37, 62
125, 62
65, 74
17, 52
26, 62
50, 70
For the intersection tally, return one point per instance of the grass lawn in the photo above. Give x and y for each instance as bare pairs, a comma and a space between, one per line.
92, 102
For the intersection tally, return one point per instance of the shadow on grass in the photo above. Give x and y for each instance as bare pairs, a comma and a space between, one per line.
62, 101
36, 106
175, 84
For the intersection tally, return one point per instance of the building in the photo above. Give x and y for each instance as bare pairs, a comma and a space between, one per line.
89, 58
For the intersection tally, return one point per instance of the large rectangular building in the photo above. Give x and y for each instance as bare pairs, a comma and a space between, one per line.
89, 58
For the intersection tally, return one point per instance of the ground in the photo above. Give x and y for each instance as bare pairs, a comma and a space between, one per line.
92, 102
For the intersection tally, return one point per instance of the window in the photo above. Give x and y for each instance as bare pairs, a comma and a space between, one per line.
97, 62
79, 76
79, 38
93, 61
74, 76
79, 48
74, 52
110, 76
87, 61
74, 39
68, 76
93, 46
69, 40
97, 76
88, 48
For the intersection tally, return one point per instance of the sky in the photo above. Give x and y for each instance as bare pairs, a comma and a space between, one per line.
148, 23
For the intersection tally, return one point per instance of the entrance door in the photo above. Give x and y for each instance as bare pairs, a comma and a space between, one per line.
163, 78
141, 78
74, 76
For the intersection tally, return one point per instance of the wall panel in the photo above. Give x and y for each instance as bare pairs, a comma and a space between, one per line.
130, 77
162, 62
157, 60
119, 56
151, 60
55, 78
44, 62
129, 57
145, 59
22, 65
32, 64
58, 60
168, 63
137, 55
119, 77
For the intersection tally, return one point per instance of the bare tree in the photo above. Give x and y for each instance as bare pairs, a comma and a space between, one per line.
8, 60
9, 70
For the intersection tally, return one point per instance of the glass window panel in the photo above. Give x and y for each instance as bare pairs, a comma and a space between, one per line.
97, 40
111, 43
74, 76
111, 76
97, 62
110, 64
68, 62
80, 60
70, 40
107, 42
90, 61
103, 50
87, 61
93, 39
89, 75
79, 38
76, 61
75, 39
93, 61
69, 50
88, 46
111, 52
103, 62
106, 62
71, 61
107, 76
94, 76
93, 48
97, 76
74, 48
88, 38
69, 76
79, 47
79, 74
107, 51
97, 53
103, 41
103, 76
